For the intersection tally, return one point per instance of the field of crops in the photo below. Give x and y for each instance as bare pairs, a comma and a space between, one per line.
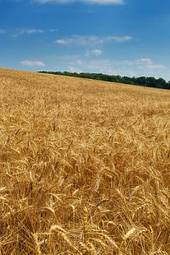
84, 167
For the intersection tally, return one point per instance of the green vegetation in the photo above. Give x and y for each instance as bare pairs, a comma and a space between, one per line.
141, 81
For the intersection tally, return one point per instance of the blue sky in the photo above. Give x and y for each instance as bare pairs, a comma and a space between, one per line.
126, 37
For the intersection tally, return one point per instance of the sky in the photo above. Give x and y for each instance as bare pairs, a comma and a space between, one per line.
120, 37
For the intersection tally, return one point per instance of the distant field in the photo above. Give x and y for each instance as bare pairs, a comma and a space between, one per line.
84, 167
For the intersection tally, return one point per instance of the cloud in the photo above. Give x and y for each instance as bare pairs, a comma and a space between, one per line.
148, 63
52, 30
124, 38
124, 67
79, 40
94, 52
101, 2
33, 63
76, 63
91, 40
27, 31
31, 31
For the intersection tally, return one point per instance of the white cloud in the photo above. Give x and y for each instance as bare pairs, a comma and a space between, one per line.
15, 32
27, 31
148, 63
91, 40
79, 40
94, 52
124, 67
53, 30
124, 38
83, 64
33, 63
31, 31
101, 2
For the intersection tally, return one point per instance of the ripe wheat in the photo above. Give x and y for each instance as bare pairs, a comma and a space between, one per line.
84, 167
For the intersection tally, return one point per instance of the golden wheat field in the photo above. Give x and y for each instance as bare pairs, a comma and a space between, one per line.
84, 167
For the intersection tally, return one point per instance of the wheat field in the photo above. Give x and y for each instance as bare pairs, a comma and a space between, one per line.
84, 167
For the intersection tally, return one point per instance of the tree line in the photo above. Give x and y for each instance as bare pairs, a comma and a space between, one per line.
141, 81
